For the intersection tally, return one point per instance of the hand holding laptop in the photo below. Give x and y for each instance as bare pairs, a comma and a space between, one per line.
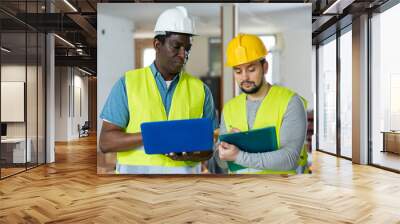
190, 156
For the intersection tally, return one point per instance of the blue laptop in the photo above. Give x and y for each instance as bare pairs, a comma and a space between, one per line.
191, 135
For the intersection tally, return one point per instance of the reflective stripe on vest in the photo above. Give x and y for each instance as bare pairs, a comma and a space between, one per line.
145, 105
258, 171
270, 113
127, 169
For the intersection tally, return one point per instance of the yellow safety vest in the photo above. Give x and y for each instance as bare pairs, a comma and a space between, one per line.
145, 105
270, 113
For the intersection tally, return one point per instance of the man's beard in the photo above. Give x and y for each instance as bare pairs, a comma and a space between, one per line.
253, 90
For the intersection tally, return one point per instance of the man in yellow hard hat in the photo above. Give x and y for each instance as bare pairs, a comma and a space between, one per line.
161, 91
262, 105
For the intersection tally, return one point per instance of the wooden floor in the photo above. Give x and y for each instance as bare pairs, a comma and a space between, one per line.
10, 171
5, 172
70, 191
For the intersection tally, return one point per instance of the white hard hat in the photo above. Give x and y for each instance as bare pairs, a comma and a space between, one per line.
174, 20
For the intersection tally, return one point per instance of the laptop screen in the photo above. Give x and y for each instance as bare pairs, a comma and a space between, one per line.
3, 129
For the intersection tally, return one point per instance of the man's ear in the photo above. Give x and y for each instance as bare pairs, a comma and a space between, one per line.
156, 45
265, 67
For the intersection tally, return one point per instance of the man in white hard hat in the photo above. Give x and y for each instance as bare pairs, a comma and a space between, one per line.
161, 91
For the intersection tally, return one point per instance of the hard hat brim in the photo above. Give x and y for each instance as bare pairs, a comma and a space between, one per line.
258, 59
157, 33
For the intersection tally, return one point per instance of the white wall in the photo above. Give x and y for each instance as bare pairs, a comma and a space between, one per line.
67, 80
83, 83
295, 63
61, 103
197, 64
115, 51
12, 73
291, 24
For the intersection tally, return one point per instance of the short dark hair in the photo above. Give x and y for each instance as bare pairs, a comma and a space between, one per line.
262, 61
162, 37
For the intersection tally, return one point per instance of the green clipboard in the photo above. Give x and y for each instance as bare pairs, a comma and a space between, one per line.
253, 141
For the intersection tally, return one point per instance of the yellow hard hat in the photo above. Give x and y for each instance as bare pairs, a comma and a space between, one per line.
244, 48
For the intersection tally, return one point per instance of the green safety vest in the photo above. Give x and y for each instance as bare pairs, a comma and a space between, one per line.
270, 113
145, 105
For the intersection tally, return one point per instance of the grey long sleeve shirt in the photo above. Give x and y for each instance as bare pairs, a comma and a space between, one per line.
292, 136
